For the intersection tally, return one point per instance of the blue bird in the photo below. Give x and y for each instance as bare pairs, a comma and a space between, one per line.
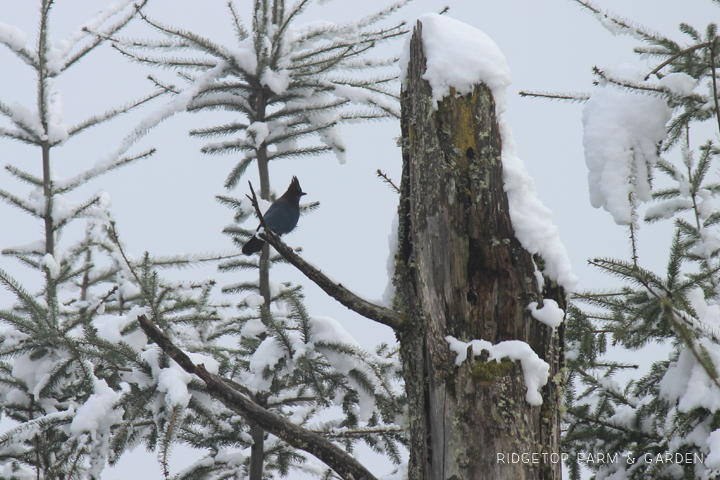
281, 217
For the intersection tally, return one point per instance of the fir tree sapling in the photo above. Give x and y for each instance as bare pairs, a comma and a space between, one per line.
74, 370
58, 384
288, 83
639, 151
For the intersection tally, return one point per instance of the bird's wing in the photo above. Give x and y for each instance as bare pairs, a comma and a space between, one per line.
271, 212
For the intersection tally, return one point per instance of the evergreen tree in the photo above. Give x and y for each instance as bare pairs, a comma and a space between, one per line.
288, 83
643, 161
74, 371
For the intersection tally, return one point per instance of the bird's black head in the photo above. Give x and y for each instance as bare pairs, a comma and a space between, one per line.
294, 191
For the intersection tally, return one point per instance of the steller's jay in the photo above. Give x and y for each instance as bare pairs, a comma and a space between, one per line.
281, 217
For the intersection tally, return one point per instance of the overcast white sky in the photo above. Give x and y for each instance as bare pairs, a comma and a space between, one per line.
166, 204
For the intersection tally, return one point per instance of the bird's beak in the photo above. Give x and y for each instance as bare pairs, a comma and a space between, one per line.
302, 193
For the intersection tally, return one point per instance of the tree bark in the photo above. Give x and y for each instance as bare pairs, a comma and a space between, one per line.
257, 452
460, 271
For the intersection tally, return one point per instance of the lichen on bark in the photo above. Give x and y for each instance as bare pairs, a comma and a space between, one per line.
460, 271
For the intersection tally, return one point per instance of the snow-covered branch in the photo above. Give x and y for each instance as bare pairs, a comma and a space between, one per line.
343, 463
16, 40
93, 26
112, 113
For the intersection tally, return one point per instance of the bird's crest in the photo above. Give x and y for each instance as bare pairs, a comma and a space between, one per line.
295, 187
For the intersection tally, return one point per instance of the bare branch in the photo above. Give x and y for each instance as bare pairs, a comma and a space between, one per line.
388, 180
344, 464
335, 290
674, 57
714, 81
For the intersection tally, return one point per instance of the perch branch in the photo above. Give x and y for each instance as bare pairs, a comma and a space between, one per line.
335, 290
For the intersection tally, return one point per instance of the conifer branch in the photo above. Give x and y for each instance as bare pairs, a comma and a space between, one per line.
298, 133
277, 45
294, 111
112, 113
202, 43
674, 57
368, 310
616, 365
24, 176
609, 391
388, 181
58, 418
28, 301
21, 204
80, 210
19, 121
714, 81
625, 26
346, 466
365, 63
293, 401
69, 184
240, 30
626, 83
342, 433
19, 135
325, 53
704, 360
164, 86
26, 55
230, 146
683, 329
299, 152
116, 240
219, 131
202, 64
233, 85
679, 307
168, 436
570, 97
370, 115
633, 241
80, 453
610, 425
120, 349
102, 36
190, 260
377, 16
98, 304
217, 101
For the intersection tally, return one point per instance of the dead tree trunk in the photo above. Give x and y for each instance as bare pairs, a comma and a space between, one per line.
460, 271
